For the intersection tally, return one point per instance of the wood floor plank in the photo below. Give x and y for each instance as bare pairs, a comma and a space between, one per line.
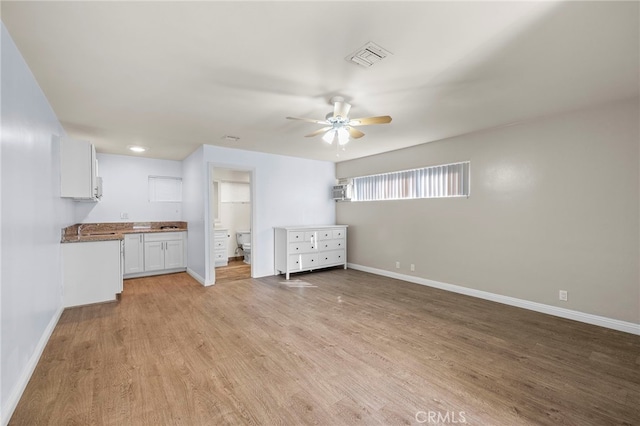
235, 270
350, 348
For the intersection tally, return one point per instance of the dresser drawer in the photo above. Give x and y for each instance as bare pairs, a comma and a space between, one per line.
296, 236
299, 262
304, 247
325, 234
334, 257
219, 244
339, 233
331, 245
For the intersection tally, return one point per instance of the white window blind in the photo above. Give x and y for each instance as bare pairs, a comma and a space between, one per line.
235, 192
449, 180
165, 189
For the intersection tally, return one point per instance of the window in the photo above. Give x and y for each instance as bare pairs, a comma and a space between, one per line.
165, 189
449, 180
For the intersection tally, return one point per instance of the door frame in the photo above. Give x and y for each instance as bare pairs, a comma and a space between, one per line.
209, 220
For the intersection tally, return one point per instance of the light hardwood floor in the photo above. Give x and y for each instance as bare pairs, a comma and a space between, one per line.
340, 347
236, 270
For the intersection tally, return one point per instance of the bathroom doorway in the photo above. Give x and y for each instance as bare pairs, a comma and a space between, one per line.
231, 218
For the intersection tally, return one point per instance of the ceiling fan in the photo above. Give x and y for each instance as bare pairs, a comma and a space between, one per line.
338, 124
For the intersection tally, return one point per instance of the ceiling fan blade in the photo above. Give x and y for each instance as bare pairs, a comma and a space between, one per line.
354, 133
341, 109
308, 120
318, 132
383, 119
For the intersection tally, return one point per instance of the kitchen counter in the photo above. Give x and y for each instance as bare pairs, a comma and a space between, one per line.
108, 231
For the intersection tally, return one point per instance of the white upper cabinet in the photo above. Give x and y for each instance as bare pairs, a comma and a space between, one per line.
79, 170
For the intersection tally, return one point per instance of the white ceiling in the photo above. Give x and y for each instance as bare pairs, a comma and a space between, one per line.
175, 75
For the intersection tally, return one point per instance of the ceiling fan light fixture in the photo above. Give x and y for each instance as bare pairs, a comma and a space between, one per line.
343, 136
329, 136
338, 126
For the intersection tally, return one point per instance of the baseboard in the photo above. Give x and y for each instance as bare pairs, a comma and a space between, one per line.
614, 324
16, 393
154, 273
198, 277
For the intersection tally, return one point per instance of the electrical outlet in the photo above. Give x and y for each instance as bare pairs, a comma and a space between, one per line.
124, 215
563, 295
413, 267
397, 265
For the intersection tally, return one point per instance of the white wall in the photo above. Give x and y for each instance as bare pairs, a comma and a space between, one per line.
286, 191
126, 190
194, 197
554, 205
32, 217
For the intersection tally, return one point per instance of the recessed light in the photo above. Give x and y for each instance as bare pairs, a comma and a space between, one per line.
136, 148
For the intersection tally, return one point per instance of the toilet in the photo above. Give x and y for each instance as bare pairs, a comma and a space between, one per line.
243, 238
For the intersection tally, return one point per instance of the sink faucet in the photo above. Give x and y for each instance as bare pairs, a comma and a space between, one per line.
80, 228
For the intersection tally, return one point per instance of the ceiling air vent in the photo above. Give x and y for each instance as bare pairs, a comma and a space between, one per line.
368, 55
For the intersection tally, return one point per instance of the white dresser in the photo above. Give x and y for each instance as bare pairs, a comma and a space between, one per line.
220, 250
305, 248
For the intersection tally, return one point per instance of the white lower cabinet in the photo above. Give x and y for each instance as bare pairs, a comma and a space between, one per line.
92, 272
161, 252
154, 255
134, 253
305, 248
174, 254
220, 249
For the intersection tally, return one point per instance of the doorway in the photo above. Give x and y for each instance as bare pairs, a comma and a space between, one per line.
231, 221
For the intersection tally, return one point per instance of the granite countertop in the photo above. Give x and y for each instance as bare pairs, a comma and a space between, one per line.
108, 231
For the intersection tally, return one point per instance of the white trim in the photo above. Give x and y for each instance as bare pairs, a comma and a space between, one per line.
210, 266
21, 385
627, 327
197, 277
153, 273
